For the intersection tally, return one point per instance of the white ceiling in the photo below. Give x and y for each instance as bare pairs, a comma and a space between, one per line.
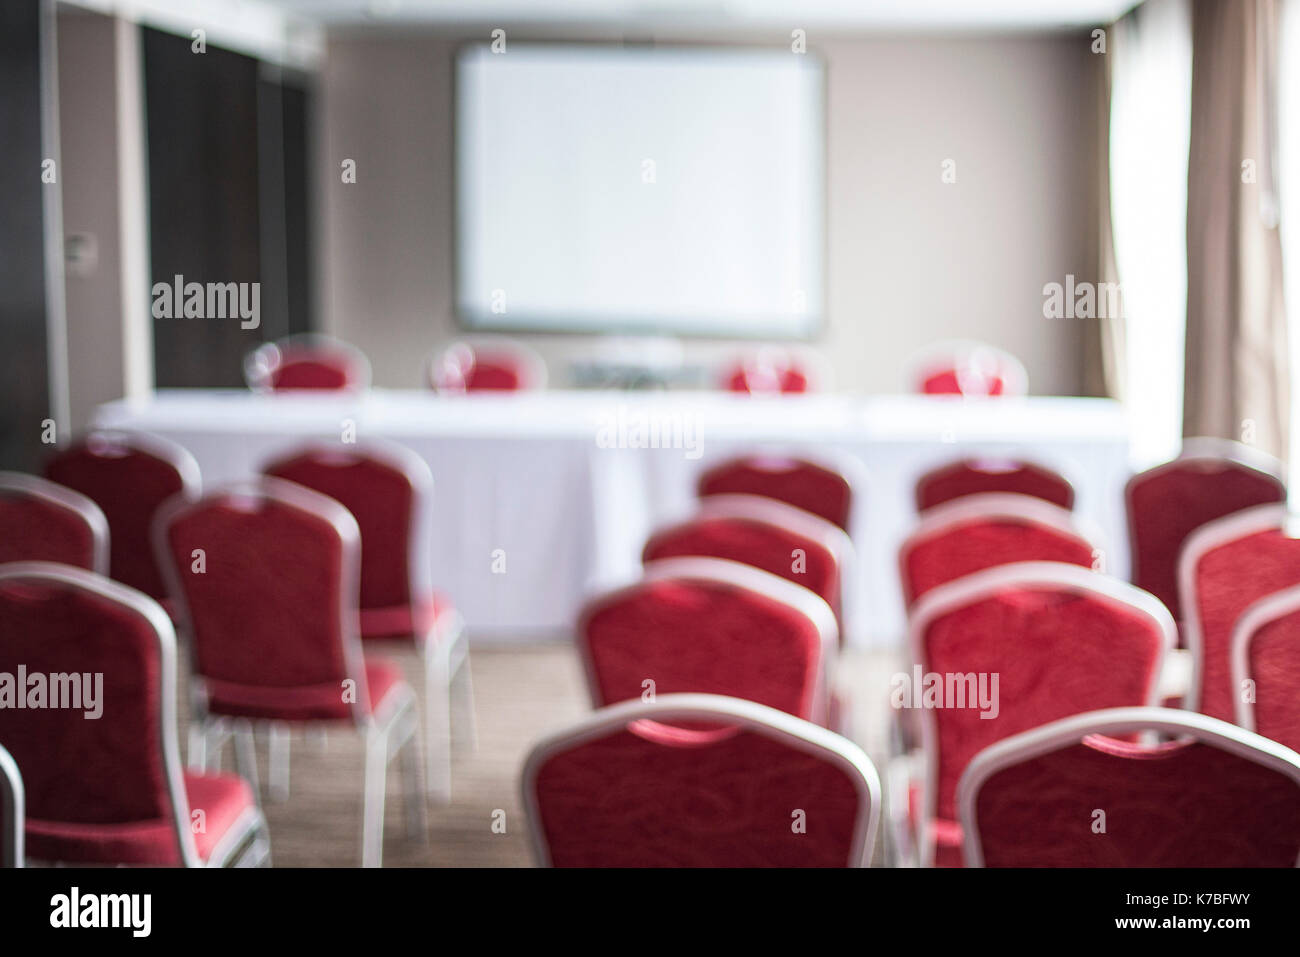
882, 15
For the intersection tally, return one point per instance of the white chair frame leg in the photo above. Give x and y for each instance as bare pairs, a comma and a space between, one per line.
386, 737
448, 686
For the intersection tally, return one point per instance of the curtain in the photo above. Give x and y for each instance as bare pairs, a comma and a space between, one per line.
1149, 72
1236, 382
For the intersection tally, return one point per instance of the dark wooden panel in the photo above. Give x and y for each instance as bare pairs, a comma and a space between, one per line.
23, 342
201, 111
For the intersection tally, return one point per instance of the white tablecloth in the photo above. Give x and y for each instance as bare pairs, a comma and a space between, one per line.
550, 481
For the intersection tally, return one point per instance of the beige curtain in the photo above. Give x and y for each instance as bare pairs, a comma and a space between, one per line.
1103, 364
1236, 372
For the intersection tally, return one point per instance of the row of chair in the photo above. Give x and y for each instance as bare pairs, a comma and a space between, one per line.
270, 582
1001, 580
498, 364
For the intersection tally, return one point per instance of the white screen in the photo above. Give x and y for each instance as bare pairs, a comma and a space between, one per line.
640, 190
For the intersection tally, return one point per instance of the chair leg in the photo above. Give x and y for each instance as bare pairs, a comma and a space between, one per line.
372, 825
246, 756
438, 716
197, 752
466, 723
278, 761
413, 798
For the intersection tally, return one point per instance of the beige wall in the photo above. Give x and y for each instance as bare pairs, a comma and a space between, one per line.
910, 258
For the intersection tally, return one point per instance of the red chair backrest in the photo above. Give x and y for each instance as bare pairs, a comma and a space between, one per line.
768, 373
976, 532
387, 490
1225, 567
1060, 639
975, 476
807, 485
128, 477
968, 369
307, 363
90, 638
627, 787
767, 534
1266, 667
41, 521
1165, 504
272, 613
486, 367
1215, 796
709, 626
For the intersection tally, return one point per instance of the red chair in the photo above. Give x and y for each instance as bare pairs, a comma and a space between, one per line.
629, 787
776, 537
1226, 566
265, 577
773, 371
975, 476
11, 812
1211, 478
42, 521
1060, 640
110, 791
486, 365
1071, 794
389, 489
979, 531
1266, 667
710, 626
966, 368
311, 362
128, 475
825, 490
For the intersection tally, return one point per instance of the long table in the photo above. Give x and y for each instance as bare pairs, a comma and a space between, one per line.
542, 499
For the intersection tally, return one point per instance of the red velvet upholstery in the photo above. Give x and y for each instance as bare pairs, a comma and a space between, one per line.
128, 482
97, 789
946, 382
1273, 663
760, 377
266, 616
753, 542
973, 476
1229, 578
485, 368
976, 543
647, 794
307, 363
1184, 803
689, 634
34, 527
806, 485
386, 500
1169, 502
1057, 650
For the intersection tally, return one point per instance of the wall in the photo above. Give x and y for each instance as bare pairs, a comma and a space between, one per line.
910, 258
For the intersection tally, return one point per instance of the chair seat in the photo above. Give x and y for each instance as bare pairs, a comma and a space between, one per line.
309, 703
947, 834
405, 621
223, 799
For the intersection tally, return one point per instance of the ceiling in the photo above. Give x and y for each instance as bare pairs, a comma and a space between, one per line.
856, 15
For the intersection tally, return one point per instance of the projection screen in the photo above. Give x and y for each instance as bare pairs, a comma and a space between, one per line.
640, 190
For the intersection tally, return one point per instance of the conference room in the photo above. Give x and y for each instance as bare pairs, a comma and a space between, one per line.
599, 434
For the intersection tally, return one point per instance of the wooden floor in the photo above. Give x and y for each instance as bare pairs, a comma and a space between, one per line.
520, 693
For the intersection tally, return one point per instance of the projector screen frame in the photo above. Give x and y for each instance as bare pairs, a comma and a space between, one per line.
650, 327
